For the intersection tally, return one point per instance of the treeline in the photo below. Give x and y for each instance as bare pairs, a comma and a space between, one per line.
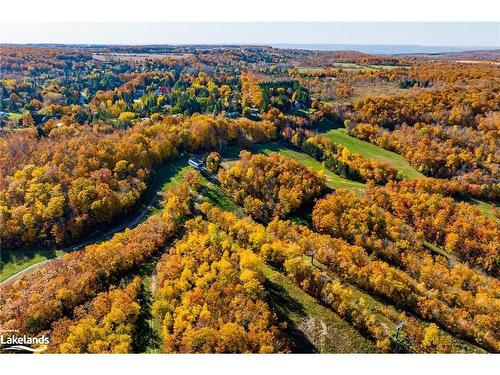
458, 190
43, 84
284, 245
446, 131
449, 72
449, 105
457, 227
107, 324
341, 161
392, 262
364, 224
463, 155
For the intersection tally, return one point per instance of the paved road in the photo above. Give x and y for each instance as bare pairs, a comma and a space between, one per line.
131, 223
23, 271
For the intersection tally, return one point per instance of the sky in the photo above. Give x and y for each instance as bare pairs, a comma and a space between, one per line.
381, 33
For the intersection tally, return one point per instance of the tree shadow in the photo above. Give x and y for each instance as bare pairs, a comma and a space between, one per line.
284, 306
146, 339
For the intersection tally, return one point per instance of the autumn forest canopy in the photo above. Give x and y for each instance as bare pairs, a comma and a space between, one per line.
249, 199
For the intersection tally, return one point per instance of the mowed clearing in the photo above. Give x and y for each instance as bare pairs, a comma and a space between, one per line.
370, 151
332, 180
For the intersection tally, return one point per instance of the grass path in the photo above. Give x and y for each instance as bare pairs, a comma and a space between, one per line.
312, 327
14, 270
487, 209
375, 305
147, 337
371, 151
332, 180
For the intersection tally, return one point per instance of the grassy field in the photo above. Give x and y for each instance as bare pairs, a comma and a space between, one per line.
311, 326
12, 262
15, 115
166, 176
332, 180
370, 151
214, 195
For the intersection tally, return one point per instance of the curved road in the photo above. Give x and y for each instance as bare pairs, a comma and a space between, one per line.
130, 223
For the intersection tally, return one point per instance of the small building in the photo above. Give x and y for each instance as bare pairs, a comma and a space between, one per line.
196, 163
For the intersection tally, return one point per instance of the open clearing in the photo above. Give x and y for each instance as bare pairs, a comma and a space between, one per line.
16, 263
332, 180
371, 151
487, 209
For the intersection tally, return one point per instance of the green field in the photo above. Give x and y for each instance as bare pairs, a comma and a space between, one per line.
370, 151
15, 115
214, 195
332, 180
312, 327
303, 70
164, 177
12, 263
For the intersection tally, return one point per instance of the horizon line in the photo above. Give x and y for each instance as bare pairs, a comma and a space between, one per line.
271, 44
